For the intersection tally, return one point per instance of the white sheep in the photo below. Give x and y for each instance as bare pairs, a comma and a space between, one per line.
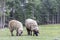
31, 26
16, 25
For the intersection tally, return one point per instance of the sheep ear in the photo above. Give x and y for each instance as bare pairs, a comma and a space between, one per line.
38, 32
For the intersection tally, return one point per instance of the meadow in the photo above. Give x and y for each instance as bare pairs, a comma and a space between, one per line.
47, 32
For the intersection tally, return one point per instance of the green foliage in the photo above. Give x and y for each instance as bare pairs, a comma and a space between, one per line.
44, 11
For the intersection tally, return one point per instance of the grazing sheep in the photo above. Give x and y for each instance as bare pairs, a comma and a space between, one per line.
16, 25
32, 26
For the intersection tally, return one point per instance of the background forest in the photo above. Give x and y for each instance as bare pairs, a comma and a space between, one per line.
44, 11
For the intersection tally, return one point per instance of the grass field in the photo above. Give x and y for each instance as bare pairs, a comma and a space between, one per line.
47, 32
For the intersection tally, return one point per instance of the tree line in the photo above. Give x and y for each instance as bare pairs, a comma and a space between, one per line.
43, 11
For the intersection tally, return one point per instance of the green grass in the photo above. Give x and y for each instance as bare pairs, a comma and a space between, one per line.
47, 32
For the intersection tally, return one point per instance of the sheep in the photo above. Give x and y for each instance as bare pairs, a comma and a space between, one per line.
31, 26
15, 25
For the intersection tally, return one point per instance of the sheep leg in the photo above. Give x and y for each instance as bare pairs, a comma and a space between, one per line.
11, 32
17, 33
28, 31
